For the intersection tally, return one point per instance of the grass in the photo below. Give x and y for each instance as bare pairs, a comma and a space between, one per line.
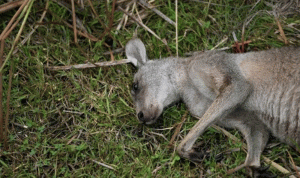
77, 117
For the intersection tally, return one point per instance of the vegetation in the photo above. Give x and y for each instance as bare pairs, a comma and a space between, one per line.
82, 122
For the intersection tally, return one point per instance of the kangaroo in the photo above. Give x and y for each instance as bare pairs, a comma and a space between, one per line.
257, 93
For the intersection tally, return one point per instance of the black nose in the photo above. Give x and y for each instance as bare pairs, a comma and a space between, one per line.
141, 116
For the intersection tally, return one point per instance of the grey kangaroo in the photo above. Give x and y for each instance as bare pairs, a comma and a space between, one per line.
257, 93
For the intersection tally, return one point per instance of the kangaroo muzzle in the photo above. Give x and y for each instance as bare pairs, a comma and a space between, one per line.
148, 116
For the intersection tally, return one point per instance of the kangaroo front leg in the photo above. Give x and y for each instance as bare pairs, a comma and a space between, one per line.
225, 103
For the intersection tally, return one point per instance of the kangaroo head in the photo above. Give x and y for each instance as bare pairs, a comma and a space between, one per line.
153, 87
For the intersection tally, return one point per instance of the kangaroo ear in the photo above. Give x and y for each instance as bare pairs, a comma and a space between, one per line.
136, 52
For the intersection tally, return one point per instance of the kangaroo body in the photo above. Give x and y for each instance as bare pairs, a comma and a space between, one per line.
256, 93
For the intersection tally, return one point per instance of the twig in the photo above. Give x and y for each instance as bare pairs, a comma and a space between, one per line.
89, 36
221, 42
158, 134
104, 165
79, 23
176, 27
294, 166
10, 5
18, 35
236, 43
95, 13
8, 26
20, 125
89, 65
177, 130
141, 24
280, 29
144, 3
210, 3
34, 29
159, 167
74, 22
1, 91
7, 105
123, 18
118, 50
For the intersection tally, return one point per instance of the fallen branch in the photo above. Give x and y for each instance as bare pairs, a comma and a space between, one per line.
89, 65
10, 5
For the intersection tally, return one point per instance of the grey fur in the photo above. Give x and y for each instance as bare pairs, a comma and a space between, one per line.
256, 93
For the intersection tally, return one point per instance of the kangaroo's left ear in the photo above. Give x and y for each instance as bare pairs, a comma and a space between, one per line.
136, 52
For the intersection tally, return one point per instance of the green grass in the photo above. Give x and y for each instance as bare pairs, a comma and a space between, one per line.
77, 116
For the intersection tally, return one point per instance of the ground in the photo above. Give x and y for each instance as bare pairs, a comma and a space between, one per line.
82, 122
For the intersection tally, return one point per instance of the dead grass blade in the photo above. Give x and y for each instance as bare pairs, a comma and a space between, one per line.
18, 35
102, 164
176, 26
177, 130
7, 106
89, 65
1, 92
142, 24
281, 30
96, 14
10, 5
294, 165
144, 3
8, 26
74, 22
36, 26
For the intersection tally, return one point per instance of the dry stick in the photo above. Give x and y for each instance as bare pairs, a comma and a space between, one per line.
236, 42
267, 160
10, 5
1, 92
122, 20
294, 166
143, 25
144, 3
177, 130
281, 30
243, 32
95, 13
89, 65
112, 14
4, 34
221, 42
104, 165
7, 107
74, 22
34, 29
89, 36
18, 35
79, 24
13, 19
176, 26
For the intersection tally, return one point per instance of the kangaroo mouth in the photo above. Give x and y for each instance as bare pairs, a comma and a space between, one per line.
151, 121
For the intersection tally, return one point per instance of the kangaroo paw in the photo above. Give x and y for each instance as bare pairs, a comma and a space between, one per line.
262, 172
197, 157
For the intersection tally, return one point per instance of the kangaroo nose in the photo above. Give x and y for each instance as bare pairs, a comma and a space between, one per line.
141, 116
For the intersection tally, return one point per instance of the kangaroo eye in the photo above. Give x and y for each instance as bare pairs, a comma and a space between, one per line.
135, 86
